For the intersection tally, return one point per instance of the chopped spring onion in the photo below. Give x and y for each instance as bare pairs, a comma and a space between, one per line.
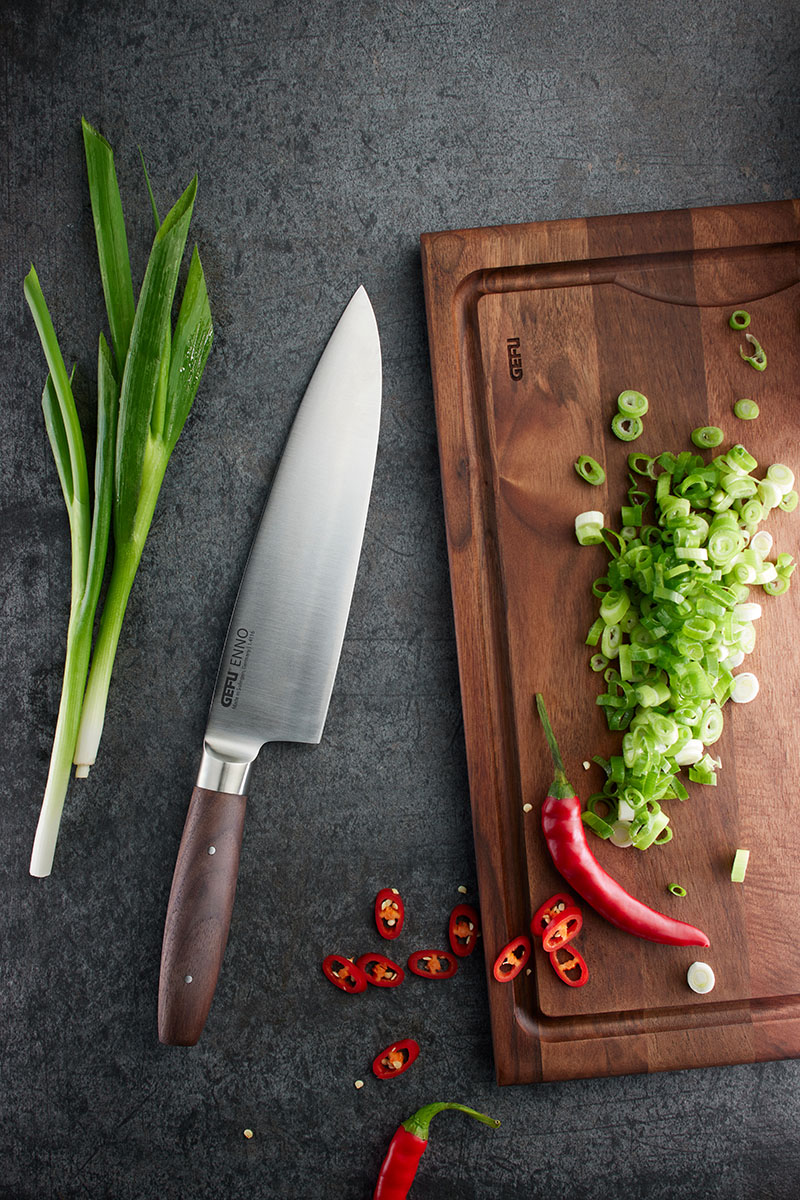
632, 404
746, 410
700, 978
781, 476
677, 890
145, 391
675, 620
707, 436
589, 528
739, 319
739, 868
758, 359
590, 470
744, 688
626, 428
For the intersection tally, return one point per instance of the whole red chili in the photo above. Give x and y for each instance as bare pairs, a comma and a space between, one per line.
407, 1147
463, 929
566, 840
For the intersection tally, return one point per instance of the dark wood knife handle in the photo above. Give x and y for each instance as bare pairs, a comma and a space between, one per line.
199, 914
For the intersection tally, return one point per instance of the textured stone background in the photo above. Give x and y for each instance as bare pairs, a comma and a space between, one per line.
327, 136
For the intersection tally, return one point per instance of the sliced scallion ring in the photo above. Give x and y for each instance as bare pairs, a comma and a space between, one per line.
700, 978
626, 428
739, 319
782, 476
589, 528
739, 868
707, 436
745, 687
746, 410
589, 469
632, 403
677, 890
758, 359
789, 501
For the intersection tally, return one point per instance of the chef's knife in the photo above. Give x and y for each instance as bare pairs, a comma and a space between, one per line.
281, 653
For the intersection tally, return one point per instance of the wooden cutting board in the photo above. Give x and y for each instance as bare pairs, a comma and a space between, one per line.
534, 330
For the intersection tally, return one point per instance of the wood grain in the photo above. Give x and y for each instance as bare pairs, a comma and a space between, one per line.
592, 307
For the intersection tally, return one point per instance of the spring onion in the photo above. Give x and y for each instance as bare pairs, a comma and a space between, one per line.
589, 528
739, 319
145, 391
677, 890
632, 404
739, 867
707, 436
700, 978
675, 621
627, 429
590, 470
758, 359
746, 410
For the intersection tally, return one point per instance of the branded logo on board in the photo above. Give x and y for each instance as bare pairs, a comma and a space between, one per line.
514, 358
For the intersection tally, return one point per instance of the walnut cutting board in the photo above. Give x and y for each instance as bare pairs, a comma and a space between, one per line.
534, 330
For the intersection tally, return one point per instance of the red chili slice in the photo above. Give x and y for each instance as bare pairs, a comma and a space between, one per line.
512, 959
463, 929
433, 964
344, 974
570, 966
395, 1059
380, 970
551, 909
562, 929
389, 912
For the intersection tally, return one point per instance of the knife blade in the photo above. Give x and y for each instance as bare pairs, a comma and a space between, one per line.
281, 652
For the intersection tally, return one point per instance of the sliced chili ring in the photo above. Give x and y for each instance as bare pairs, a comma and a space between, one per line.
433, 964
389, 912
463, 929
395, 1059
344, 974
570, 966
562, 929
551, 909
380, 970
512, 959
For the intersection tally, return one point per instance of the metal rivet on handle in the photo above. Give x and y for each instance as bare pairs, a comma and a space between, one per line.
212, 849
187, 979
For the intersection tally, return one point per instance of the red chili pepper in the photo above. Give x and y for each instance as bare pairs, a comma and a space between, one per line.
380, 970
344, 974
512, 959
407, 1147
551, 908
395, 1059
566, 840
571, 961
463, 929
562, 930
389, 912
433, 964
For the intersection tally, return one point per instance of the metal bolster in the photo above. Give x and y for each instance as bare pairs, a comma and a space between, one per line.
220, 774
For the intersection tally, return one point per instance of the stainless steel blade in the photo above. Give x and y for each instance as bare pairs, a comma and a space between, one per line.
285, 637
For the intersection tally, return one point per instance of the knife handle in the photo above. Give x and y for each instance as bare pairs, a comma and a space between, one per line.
199, 914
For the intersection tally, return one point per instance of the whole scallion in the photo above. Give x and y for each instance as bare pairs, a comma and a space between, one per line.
145, 392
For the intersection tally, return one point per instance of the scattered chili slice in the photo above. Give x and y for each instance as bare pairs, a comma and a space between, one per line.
562, 930
380, 970
395, 1059
552, 908
433, 964
570, 966
389, 912
344, 974
463, 929
512, 958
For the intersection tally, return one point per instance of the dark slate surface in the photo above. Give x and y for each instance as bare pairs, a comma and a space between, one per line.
327, 137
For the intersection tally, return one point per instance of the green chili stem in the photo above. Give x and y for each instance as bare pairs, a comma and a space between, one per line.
419, 1123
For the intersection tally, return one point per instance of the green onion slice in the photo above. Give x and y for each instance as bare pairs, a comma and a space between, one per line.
590, 470
589, 528
758, 359
746, 410
626, 428
739, 319
707, 436
700, 978
677, 890
632, 404
739, 868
